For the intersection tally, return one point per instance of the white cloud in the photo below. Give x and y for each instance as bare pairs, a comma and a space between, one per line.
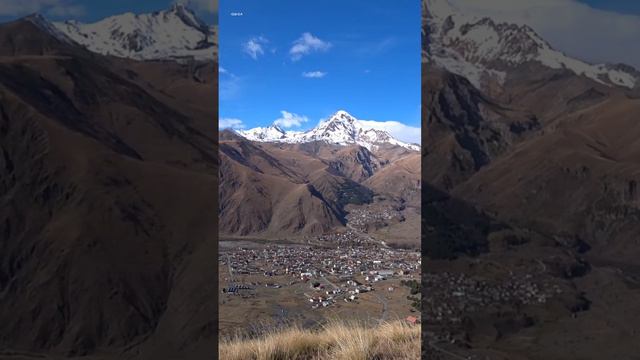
51, 7
230, 123
222, 70
254, 47
397, 129
306, 44
203, 5
570, 26
290, 120
314, 74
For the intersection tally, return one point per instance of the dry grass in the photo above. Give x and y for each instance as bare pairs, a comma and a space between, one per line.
337, 340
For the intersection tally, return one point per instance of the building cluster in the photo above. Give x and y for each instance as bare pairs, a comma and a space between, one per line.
310, 261
451, 296
348, 292
352, 261
352, 270
345, 238
362, 217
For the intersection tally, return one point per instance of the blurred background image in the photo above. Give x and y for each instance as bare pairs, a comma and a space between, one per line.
530, 166
108, 179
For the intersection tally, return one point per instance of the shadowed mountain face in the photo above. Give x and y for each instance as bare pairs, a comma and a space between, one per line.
465, 129
108, 191
531, 176
584, 156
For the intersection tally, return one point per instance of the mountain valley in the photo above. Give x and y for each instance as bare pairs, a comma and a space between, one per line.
310, 220
307, 184
540, 151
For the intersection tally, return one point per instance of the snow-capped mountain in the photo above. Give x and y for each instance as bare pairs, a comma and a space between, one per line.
175, 33
339, 129
268, 133
482, 49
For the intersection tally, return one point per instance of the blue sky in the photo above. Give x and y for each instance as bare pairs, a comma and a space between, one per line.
620, 6
300, 61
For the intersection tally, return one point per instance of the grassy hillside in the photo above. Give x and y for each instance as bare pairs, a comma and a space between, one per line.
337, 340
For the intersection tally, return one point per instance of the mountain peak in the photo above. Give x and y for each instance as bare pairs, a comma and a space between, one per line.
181, 7
342, 116
440, 8
341, 113
36, 18
272, 132
275, 127
340, 129
178, 6
484, 50
176, 33
45, 25
187, 15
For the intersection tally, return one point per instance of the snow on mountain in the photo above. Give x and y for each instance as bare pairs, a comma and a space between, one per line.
339, 129
170, 34
269, 133
483, 50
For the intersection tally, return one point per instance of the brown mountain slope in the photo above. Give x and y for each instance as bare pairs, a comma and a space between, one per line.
270, 191
583, 152
398, 186
464, 129
29, 36
107, 193
290, 191
557, 202
590, 162
401, 179
354, 162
